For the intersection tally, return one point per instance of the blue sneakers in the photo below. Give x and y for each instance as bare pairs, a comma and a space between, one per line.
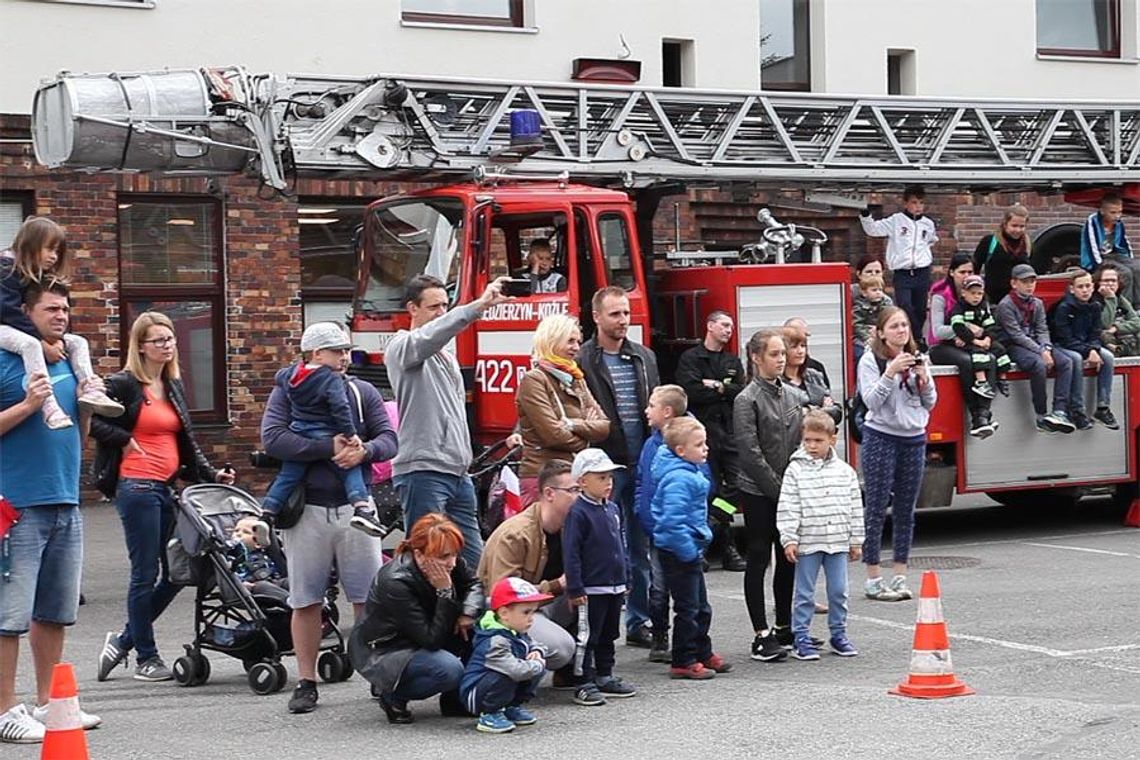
494, 723
803, 649
842, 646
520, 716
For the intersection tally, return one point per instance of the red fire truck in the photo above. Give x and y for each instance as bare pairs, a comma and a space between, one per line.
645, 144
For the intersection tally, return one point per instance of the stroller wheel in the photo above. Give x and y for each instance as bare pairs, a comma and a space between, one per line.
346, 666
185, 671
201, 670
330, 667
265, 679
282, 675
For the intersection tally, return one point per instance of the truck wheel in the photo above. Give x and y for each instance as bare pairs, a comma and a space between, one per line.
1038, 499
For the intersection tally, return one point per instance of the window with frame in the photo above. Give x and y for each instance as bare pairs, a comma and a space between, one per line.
507, 13
785, 45
616, 250
170, 260
1086, 28
14, 209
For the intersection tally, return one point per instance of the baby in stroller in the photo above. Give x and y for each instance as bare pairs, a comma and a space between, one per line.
250, 561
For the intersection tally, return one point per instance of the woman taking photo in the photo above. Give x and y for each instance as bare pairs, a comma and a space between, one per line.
899, 397
137, 459
767, 417
418, 616
1000, 251
946, 348
557, 415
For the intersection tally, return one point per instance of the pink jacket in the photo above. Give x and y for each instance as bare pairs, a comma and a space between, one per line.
382, 471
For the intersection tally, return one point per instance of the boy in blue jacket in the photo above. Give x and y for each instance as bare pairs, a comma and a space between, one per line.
594, 562
1076, 332
505, 665
666, 402
681, 534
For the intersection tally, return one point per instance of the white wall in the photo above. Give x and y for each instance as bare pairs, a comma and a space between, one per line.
367, 36
969, 48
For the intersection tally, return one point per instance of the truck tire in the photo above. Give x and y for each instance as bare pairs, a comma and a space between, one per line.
1056, 248
1038, 499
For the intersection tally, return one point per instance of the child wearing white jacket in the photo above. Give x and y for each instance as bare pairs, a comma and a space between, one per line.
820, 519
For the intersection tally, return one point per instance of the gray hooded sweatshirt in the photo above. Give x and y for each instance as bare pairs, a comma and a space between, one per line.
429, 392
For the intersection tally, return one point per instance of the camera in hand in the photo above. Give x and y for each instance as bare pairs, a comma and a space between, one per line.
517, 287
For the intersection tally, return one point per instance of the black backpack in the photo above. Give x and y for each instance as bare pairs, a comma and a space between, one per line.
857, 408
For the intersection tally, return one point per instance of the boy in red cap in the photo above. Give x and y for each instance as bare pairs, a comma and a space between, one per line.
505, 665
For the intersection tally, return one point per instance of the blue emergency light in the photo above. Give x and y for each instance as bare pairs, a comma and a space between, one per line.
526, 128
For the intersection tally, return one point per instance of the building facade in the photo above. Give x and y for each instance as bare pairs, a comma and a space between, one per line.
242, 273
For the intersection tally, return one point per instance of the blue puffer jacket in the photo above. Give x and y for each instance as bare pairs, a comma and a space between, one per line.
647, 484
680, 507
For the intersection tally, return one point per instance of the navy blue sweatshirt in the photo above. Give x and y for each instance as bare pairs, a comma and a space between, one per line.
323, 485
593, 556
1076, 325
12, 297
317, 396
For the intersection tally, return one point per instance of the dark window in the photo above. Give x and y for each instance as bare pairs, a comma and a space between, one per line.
671, 66
170, 260
900, 72
785, 45
616, 250
328, 260
1079, 27
477, 12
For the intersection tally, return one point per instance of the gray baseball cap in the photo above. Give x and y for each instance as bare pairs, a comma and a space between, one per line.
324, 335
1023, 272
592, 460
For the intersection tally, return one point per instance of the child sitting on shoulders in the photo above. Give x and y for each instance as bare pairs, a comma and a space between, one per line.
820, 519
505, 665
681, 534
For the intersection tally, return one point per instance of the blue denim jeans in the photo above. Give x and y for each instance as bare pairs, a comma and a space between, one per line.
835, 574
146, 508
691, 610
45, 558
637, 549
454, 495
429, 672
495, 691
292, 474
912, 286
1103, 378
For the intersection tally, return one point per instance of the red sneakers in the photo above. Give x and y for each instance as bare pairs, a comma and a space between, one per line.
718, 664
694, 672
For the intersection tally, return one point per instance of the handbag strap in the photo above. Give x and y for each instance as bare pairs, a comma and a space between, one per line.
359, 401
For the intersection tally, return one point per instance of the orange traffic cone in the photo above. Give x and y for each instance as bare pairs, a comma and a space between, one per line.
64, 739
931, 672
1132, 519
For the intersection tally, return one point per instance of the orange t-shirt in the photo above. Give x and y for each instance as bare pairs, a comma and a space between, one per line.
156, 432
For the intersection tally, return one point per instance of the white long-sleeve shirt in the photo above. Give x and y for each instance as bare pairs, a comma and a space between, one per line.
908, 240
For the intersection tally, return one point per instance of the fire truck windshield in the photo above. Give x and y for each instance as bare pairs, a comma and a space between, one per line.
409, 237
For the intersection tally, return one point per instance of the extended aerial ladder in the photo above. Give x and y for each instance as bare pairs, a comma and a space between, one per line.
227, 120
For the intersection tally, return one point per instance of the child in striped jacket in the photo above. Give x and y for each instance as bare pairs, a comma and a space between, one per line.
820, 519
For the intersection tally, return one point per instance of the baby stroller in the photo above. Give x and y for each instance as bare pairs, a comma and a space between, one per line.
228, 618
492, 483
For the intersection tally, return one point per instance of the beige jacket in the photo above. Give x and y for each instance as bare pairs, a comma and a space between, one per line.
517, 549
552, 420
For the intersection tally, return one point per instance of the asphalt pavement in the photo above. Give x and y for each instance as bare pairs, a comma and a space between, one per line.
1041, 609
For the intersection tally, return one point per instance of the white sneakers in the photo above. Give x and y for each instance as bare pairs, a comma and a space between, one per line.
86, 719
18, 726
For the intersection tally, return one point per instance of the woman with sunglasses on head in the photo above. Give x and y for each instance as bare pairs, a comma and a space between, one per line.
137, 459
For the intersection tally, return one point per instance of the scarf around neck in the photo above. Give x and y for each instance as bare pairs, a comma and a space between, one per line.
564, 370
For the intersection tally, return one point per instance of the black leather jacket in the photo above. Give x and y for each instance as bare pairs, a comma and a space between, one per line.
111, 435
768, 421
404, 611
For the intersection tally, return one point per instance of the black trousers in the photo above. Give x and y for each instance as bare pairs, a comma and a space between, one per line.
760, 525
604, 614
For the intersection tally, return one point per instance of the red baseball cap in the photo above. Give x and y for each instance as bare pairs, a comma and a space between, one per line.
515, 590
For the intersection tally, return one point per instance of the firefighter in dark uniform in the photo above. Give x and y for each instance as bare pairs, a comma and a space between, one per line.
712, 377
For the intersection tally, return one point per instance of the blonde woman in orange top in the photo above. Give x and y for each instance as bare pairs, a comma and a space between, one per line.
138, 457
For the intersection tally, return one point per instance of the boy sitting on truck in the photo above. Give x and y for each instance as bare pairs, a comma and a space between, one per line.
1076, 332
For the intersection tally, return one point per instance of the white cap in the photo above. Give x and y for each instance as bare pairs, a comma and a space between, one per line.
324, 335
592, 460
